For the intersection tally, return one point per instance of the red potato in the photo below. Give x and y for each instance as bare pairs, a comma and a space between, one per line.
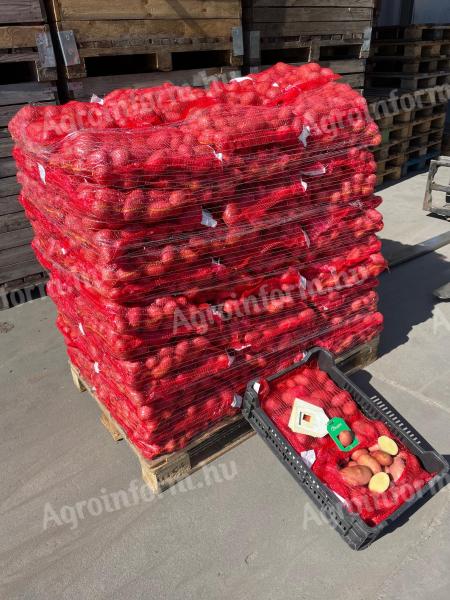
397, 468
356, 476
368, 461
357, 453
383, 458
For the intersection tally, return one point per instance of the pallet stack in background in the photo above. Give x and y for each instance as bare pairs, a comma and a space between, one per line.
414, 61
335, 33
103, 46
27, 74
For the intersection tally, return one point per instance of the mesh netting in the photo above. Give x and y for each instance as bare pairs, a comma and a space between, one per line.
197, 238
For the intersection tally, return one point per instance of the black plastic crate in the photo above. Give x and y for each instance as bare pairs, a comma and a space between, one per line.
351, 527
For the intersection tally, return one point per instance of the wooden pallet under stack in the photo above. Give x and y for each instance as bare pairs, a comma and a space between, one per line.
167, 470
27, 74
106, 45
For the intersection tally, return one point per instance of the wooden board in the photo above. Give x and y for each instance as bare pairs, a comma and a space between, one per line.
23, 93
312, 27
9, 205
310, 14
139, 9
165, 471
8, 187
314, 3
18, 262
21, 11
16, 238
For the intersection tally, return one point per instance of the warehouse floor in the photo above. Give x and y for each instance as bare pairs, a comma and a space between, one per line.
241, 529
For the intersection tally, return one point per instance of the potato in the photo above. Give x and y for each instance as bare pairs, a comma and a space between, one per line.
387, 445
383, 458
352, 463
374, 448
356, 476
346, 438
379, 483
396, 469
369, 461
357, 453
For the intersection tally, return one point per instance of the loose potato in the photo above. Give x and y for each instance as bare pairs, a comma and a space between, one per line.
383, 458
346, 438
369, 461
357, 453
379, 483
374, 448
396, 469
387, 445
356, 476
352, 463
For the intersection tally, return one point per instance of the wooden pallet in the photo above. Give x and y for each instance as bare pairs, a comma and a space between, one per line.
84, 89
26, 54
281, 30
408, 66
412, 33
390, 150
113, 39
402, 49
420, 163
404, 82
165, 471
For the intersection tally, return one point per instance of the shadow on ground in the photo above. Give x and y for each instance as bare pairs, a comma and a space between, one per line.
406, 293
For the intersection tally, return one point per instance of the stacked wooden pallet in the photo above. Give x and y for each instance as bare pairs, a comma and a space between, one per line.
412, 128
106, 45
27, 74
335, 33
410, 58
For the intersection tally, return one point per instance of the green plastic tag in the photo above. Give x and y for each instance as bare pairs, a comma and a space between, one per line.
336, 426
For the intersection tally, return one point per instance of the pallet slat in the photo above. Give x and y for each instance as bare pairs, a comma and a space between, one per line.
137, 9
21, 11
274, 15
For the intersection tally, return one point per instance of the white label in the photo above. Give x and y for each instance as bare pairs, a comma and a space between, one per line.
237, 401
96, 100
239, 79
308, 419
315, 172
256, 386
309, 457
41, 172
304, 184
96, 367
343, 500
304, 135
80, 327
207, 219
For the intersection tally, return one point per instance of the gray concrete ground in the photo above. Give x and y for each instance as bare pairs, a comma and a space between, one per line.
241, 529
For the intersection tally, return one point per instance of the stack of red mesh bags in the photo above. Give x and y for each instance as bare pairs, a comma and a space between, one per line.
196, 239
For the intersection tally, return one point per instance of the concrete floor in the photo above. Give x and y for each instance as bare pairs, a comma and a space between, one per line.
242, 529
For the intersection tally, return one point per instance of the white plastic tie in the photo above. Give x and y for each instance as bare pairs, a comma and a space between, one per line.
41, 170
237, 401
239, 79
96, 367
315, 172
303, 137
96, 99
80, 327
257, 386
207, 219
309, 457
307, 240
